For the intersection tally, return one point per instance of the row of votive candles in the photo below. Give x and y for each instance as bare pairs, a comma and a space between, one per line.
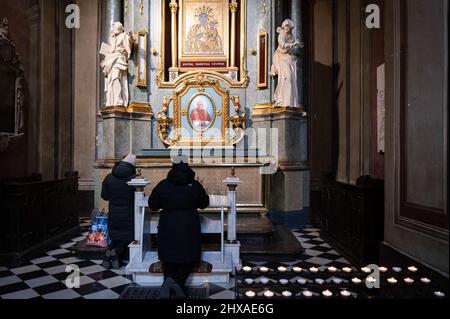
338, 281
308, 294
330, 269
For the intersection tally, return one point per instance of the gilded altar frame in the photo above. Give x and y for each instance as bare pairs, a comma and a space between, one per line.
224, 56
201, 83
142, 58
164, 65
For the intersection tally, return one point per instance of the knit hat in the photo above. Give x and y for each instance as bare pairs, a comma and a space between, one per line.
130, 158
180, 159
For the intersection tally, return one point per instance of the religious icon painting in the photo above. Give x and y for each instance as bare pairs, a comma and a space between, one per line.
202, 112
204, 34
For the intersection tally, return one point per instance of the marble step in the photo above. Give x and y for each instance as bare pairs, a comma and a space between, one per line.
220, 271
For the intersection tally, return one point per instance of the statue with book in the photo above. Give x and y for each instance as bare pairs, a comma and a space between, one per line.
115, 65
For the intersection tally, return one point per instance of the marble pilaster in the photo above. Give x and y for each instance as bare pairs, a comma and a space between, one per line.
287, 184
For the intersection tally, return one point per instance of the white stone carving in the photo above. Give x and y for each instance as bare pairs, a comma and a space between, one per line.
115, 65
285, 66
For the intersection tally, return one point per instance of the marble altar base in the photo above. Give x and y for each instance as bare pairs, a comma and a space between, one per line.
251, 197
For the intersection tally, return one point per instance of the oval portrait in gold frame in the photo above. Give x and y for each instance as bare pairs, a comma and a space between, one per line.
201, 112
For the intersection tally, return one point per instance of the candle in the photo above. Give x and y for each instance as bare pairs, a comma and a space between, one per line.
383, 269
337, 281
286, 293
425, 280
264, 281
250, 294
319, 281
356, 280
327, 293
409, 281
282, 269
263, 269
247, 269
314, 269
284, 281
371, 280
412, 269
365, 270
307, 293
439, 294
347, 269
164, 104
297, 269
332, 269
396, 269
268, 294
345, 293
236, 101
301, 281
249, 281
392, 281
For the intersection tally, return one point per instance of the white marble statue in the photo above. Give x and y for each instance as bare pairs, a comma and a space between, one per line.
115, 65
285, 66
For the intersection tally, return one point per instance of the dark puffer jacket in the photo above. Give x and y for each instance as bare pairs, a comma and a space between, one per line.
121, 201
179, 196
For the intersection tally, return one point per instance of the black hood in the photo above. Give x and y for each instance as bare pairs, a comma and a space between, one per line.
124, 170
181, 174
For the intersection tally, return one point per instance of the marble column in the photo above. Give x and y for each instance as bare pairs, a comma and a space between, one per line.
173, 70
112, 11
296, 17
287, 187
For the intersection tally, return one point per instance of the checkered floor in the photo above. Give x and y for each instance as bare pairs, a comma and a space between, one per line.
45, 277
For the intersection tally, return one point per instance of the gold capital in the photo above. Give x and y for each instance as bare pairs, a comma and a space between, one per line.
233, 7
141, 7
173, 6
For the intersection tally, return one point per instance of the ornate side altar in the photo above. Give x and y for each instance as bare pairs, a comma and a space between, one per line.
199, 82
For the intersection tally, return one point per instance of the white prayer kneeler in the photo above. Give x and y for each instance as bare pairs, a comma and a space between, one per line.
223, 262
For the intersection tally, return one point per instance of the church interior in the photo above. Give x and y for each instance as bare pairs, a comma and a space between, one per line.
317, 128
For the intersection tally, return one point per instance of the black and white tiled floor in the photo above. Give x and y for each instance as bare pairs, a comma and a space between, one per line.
45, 277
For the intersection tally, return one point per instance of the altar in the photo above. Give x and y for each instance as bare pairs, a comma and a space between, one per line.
199, 79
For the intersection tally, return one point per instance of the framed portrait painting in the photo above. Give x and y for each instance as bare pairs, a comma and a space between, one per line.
204, 34
202, 112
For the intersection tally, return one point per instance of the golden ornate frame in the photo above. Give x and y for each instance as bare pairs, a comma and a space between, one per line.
182, 56
142, 34
216, 112
201, 82
244, 78
262, 34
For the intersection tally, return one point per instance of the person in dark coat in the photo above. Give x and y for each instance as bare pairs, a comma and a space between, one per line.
179, 236
121, 209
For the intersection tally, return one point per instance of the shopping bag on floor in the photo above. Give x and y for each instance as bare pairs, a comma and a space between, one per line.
98, 233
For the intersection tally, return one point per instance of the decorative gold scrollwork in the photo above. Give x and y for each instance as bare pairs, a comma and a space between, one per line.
232, 126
